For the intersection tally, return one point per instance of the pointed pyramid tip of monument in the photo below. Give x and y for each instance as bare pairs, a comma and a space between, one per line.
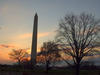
36, 14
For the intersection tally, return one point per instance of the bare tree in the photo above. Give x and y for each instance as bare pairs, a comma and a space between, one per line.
77, 35
50, 52
19, 55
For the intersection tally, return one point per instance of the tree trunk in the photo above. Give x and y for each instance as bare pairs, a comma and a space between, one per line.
77, 69
47, 66
19, 62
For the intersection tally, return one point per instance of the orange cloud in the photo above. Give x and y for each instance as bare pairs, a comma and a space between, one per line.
6, 46
28, 35
43, 34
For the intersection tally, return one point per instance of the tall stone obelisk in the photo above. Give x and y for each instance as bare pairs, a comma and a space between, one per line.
34, 40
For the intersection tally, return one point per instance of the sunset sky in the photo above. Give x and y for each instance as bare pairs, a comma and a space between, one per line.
16, 21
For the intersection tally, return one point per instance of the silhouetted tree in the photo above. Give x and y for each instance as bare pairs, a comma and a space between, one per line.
50, 52
19, 55
77, 35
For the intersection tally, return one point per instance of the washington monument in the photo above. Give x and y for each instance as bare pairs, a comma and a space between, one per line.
34, 40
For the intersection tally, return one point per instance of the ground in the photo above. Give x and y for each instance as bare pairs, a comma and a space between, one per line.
54, 72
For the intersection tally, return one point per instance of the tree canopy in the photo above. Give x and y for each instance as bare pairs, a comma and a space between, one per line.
77, 35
